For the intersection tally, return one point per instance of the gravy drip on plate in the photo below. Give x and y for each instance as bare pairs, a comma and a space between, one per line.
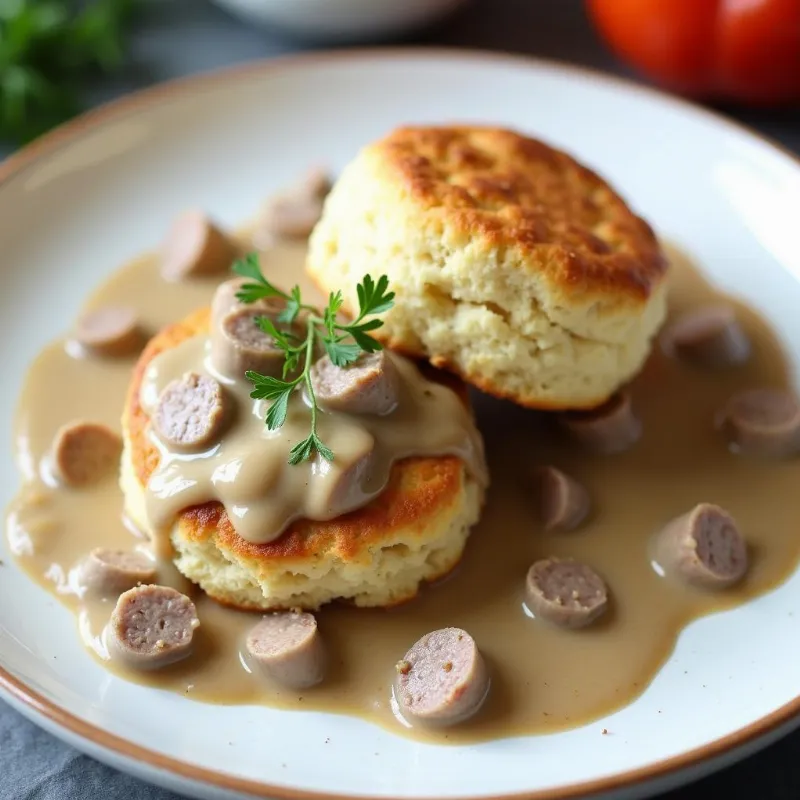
543, 678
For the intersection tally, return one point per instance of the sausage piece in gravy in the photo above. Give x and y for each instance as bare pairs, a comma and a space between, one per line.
293, 213
442, 680
563, 502
195, 246
238, 344
709, 336
84, 453
111, 331
368, 386
105, 572
610, 428
288, 647
151, 627
190, 412
762, 422
703, 548
566, 593
225, 300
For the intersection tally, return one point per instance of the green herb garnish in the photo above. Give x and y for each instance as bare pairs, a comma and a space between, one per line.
343, 342
47, 48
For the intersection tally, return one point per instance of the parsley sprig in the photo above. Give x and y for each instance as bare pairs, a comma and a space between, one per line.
344, 342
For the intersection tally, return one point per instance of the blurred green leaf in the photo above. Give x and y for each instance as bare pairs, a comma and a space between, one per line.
47, 47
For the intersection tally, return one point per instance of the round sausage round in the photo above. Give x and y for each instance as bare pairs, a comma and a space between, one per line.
368, 386
195, 246
610, 428
317, 182
293, 213
287, 646
762, 422
84, 453
442, 680
225, 301
190, 412
105, 572
111, 331
709, 336
566, 593
239, 345
563, 502
703, 548
151, 627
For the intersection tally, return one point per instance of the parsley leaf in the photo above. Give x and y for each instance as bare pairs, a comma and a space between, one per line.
292, 362
265, 387
280, 338
303, 451
250, 267
363, 340
293, 306
342, 354
335, 301
276, 415
373, 297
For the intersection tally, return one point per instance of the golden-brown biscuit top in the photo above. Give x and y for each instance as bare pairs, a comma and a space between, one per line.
512, 191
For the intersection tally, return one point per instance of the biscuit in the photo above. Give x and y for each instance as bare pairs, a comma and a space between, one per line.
378, 555
513, 265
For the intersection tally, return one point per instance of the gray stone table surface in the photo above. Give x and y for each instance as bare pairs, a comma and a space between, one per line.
179, 37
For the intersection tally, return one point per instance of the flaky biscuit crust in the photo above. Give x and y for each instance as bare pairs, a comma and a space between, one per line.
515, 266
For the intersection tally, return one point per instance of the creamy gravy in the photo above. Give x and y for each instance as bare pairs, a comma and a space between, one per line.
247, 469
543, 679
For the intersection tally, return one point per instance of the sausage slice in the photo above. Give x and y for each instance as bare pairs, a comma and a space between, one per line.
190, 412
288, 647
195, 246
762, 422
84, 453
109, 331
293, 213
239, 345
703, 548
317, 182
225, 301
563, 502
342, 483
566, 593
151, 627
710, 336
110, 572
442, 680
610, 428
368, 386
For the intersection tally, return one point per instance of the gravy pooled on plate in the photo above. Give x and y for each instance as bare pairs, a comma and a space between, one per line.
352, 659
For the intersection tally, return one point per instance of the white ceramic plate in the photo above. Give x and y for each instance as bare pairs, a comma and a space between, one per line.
86, 198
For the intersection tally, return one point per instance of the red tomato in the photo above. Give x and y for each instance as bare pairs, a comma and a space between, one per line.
738, 49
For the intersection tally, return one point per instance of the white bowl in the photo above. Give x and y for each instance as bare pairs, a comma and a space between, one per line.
342, 20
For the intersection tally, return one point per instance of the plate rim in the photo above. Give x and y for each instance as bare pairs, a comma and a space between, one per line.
113, 110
